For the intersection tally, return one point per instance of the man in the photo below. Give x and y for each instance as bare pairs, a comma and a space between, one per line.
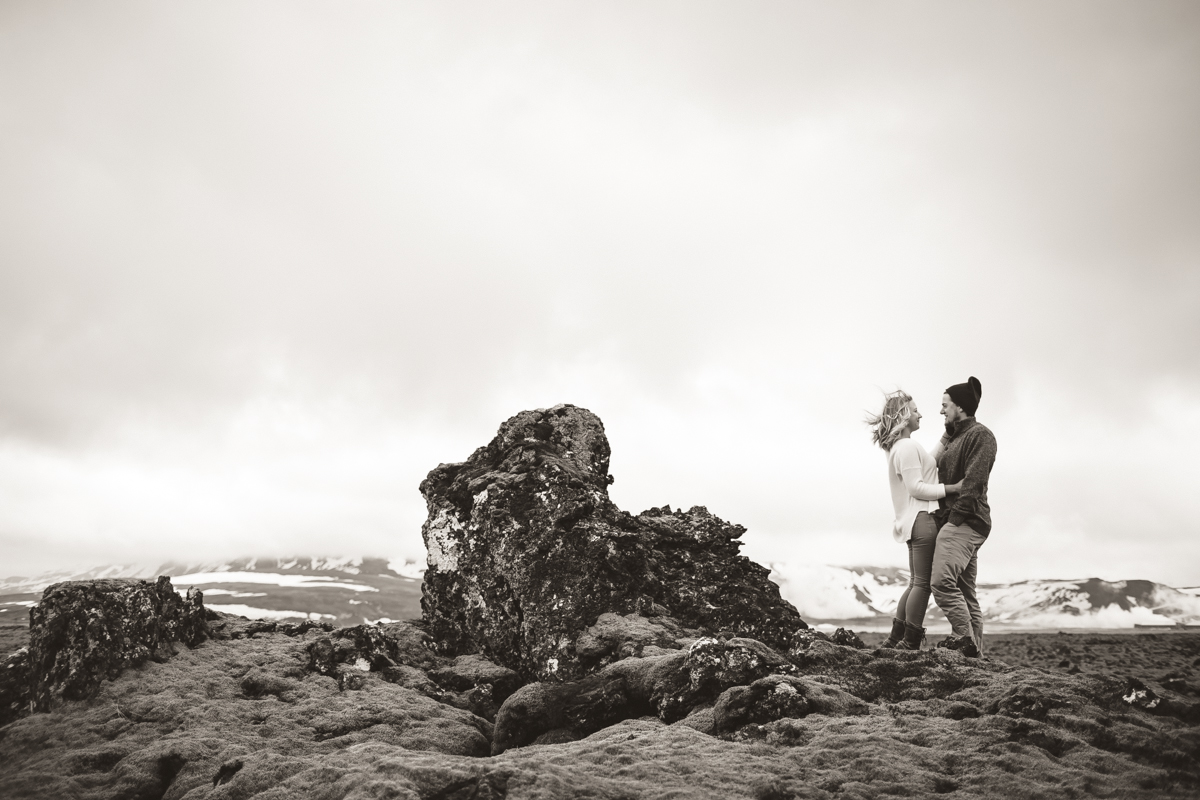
964, 520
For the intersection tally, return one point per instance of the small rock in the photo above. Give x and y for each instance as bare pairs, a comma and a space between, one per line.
1139, 695
1026, 702
804, 638
778, 697
765, 700
847, 638
711, 662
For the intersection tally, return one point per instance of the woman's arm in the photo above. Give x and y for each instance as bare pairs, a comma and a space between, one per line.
908, 465
940, 447
919, 488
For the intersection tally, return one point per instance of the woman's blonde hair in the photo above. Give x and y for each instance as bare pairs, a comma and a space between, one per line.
888, 424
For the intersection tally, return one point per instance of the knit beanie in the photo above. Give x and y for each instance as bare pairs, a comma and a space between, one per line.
966, 395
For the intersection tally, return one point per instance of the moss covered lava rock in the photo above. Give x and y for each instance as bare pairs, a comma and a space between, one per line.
526, 552
85, 632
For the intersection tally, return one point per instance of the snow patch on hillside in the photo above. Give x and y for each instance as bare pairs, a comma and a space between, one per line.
266, 613
407, 569
345, 565
823, 592
269, 578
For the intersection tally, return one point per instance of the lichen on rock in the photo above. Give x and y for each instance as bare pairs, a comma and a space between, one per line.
85, 632
527, 554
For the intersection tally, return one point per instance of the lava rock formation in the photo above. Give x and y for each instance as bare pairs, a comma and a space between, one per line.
84, 632
526, 551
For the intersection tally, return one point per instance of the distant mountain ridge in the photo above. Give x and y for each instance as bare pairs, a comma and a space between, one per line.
868, 596
350, 590
344, 590
350, 565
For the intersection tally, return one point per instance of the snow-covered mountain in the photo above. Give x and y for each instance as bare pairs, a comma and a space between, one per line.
350, 590
301, 565
868, 595
346, 590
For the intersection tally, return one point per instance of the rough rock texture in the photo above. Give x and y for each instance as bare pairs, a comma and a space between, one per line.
401, 653
669, 687
526, 552
778, 697
14, 686
84, 632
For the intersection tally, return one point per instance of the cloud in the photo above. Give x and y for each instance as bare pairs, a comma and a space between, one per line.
263, 266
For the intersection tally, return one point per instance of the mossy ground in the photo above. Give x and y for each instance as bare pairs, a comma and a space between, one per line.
244, 714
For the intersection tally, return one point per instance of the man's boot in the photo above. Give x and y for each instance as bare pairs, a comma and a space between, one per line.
963, 644
913, 636
896, 635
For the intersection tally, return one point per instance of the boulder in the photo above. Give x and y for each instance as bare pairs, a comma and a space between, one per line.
847, 638
526, 553
781, 697
669, 687
399, 653
482, 685
85, 632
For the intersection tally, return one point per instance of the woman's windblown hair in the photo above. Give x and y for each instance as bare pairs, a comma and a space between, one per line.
888, 424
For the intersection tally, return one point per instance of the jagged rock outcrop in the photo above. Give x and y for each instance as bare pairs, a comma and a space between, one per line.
526, 552
85, 632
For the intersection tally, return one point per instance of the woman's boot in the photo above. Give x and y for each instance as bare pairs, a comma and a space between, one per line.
913, 636
896, 635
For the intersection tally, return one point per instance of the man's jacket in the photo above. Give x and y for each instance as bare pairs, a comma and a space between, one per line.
968, 457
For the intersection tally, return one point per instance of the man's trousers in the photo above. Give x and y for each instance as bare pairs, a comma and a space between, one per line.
955, 566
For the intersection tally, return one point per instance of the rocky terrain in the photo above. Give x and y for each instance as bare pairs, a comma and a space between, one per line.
718, 690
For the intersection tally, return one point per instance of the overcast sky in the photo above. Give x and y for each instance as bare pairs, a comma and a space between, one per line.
263, 265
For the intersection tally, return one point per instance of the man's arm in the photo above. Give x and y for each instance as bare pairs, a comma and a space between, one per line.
979, 452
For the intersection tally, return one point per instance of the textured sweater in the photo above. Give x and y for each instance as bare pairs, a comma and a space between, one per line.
968, 457
913, 478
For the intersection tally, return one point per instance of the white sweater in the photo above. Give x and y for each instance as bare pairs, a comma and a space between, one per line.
913, 478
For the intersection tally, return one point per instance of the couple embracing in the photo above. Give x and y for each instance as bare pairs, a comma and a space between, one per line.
943, 520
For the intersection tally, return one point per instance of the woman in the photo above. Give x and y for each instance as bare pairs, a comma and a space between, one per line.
913, 476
